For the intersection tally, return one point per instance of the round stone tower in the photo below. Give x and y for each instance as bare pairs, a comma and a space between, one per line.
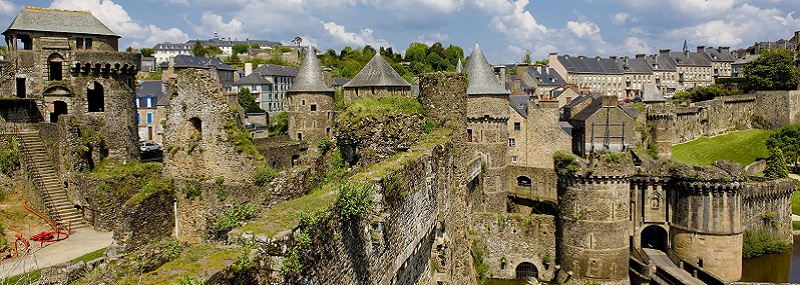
487, 131
706, 228
309, 102
592, 233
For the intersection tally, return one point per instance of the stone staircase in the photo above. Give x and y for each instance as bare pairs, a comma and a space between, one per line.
54, 194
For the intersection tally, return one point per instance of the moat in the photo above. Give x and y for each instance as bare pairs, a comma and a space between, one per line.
776, 268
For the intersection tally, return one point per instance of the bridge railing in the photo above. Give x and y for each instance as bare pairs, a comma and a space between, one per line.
696, 271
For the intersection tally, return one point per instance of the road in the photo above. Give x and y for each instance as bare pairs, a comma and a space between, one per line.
82, 241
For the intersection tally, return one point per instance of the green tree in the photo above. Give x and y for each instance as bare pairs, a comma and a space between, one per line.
2, 49
239, 48
437, 48
147, 52
255, 46
197, 49
233, 59
775, 69
129, 49
437, 62
278, 124
787, 139
701, 93
526, 59
248, 101
212, 50
454, 53
542, 62
776, 165
416, 52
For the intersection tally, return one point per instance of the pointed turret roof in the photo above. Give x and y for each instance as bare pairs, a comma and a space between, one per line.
459, 67
377, 72
309, 76
685, 46
481, 75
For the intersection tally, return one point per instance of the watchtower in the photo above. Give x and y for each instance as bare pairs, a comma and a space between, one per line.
309, 102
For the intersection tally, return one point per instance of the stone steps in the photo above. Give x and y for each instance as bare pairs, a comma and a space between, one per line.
58, 202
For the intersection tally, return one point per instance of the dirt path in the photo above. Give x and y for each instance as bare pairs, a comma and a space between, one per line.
82, 241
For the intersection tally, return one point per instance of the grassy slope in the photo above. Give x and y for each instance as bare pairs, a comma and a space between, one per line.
740, 146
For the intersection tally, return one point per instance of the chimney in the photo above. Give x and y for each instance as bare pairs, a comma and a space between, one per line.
610, 101
553, 57
639, 55
248, 68
569, 100
664, 52
613, 57
522, 68
501, 70
701, 49
566, 56
582, 56
326, 73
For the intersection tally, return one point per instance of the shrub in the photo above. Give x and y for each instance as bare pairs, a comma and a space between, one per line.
796, 225
758, 242
192, 191
264, 175
9, 156
480, 265
565, 161
324, 144
235, 215
355, 200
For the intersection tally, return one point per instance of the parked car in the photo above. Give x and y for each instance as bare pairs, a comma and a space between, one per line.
148, 146
626, 101
637, 99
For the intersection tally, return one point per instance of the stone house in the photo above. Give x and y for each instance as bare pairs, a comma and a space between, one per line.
665, 73
268, 83
376, 78
148, 94
66, 63
638, 75
721, 61
309, 103
603, 125
694, 68
183, 62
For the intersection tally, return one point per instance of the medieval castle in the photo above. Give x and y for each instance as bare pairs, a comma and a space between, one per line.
500, 178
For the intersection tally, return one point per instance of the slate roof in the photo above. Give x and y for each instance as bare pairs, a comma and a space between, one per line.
481, 75
545, 75
229, 43
276, 70
515, 102
199, 62
340, 81
377, 72
660, 63
172, 46
689, 59
719, 54
634, 65
459, 67
163, 101
596, 105
148, 89
309, 76
595, 65
58, 21
253, 79
746, 59
580, 99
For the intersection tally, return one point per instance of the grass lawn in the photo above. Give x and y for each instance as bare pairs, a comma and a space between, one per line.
286, 215
740, 146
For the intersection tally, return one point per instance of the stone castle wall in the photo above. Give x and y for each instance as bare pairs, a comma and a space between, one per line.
766, 204
512, 239
307, 123
542, 187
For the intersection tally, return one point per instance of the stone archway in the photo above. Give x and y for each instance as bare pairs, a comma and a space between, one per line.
654, 237
57, 108
526, 270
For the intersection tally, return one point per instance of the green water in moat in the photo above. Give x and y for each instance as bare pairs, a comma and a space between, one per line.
775, 268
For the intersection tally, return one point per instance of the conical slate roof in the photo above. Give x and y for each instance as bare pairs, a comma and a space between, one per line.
459, 67
481, 75
376, 73
309, 76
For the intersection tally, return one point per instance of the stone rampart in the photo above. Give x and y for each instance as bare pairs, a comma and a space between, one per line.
513, 239
766, 204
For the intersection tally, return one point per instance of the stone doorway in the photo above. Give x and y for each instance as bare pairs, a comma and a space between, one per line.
654, 237
527, 270
58, 108
95, 97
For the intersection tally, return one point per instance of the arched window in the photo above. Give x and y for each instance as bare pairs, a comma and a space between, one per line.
95, 97
58, 108
523, 181
527, 270
54, 64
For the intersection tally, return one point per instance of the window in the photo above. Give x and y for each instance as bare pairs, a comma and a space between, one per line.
523, 181
303, 102
313, 107
83, 43
517, 126
149, 102
78, 43
149, 118
138, 102
469, 135
21, 88
511, 142
138, 118
514, 159
88, 43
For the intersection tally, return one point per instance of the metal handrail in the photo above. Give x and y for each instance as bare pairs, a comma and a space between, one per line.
47, 201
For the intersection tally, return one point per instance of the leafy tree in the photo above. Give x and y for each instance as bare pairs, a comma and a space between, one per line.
512, 71
279, 124
454, 53
776, 165
233, 59
255, 46
248, 101
239, 48
147, 52
773, 70
698, 94
542, 62
212, 50
197, 49
437, 62
368, 51
2, 49
787, 139
416, 52
437, 48
129, 49
527, 58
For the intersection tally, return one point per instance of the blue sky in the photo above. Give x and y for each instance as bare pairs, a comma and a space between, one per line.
503, 28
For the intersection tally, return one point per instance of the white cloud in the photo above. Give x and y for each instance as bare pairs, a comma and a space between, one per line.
184, 2
363, 38
635, 45
213, 23
8, 8
583, 29
117, 19
432, 38
620, 18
